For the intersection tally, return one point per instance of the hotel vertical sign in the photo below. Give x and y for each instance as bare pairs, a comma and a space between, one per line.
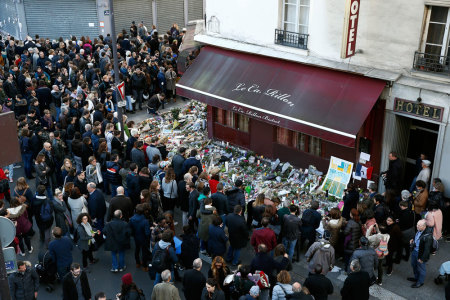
350, 28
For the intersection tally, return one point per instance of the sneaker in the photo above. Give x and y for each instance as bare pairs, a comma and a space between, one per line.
31, 250
22, 254
379, 283
122, 269
389, 274
17, 167
11, 180
114, 270
203, 252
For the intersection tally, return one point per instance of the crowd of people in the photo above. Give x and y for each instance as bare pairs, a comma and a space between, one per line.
62, 95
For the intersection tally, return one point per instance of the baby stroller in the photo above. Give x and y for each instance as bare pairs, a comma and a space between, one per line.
46, 270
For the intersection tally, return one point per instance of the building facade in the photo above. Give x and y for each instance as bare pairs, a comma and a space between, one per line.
402, 43
64, 18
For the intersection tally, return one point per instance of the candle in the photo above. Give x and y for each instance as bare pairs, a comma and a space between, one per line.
228, 144
226, 166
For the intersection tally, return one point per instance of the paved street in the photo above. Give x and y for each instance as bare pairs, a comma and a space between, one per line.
101, 279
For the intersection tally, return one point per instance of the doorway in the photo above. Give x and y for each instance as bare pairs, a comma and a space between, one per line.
422, 139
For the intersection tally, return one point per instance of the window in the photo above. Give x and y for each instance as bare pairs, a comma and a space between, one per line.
230, 119
436, 41
315, 146
300, 141
242, 123
296, 16
283, 136
218, 115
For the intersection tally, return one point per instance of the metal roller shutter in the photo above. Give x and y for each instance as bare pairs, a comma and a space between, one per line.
195, 10
53, 19
126, 11
169, 12
9, 21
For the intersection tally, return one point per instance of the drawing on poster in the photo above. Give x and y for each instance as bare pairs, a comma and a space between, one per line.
338, 176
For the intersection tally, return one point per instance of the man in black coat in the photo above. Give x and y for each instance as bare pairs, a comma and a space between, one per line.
137, 155
421, 250
194, 281
130, 143
236, 195
393, 176
192, 161
237, 230
357, 283
122, 203
177, 163
264, 262
193, 203
318, 285
96, 206
183, 197
220, 202
138, 83
310, 222
134, 190
24, 284
117, 234
73, 282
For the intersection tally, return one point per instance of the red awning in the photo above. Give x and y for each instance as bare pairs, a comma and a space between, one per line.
328, 104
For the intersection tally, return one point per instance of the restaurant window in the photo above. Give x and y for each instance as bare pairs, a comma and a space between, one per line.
315, 146
242, 123
218, 115
296, 16
230, 119
283, 135
301, 142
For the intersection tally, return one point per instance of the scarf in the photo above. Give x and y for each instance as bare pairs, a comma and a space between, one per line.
87, 227
49, 120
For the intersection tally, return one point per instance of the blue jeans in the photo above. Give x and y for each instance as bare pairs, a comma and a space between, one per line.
27, 159
290, 247
158, 277
78, 163
129, 105
58, 112
413, 185
233, 255
114, 190
419, 269
121, 263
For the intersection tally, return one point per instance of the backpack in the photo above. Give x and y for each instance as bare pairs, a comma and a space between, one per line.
160, 261
382, 249
263, 281
46, 211
157, 176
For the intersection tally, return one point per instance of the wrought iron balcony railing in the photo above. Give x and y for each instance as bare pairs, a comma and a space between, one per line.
291, 39
431, 63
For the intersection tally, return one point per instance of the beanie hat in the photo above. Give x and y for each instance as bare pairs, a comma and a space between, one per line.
254, 291
127, 279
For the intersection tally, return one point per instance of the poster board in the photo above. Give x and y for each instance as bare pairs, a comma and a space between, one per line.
338, 176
